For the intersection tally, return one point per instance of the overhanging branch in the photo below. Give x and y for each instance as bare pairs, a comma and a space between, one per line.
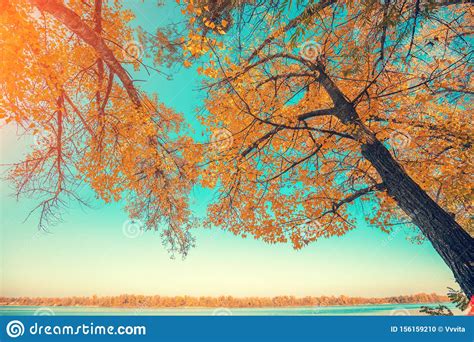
74, 22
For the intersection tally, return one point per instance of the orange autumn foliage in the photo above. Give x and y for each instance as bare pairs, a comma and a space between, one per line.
141, 301
90, 125
292, 173
286, 166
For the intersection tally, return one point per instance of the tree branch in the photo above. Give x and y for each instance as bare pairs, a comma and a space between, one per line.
74, 22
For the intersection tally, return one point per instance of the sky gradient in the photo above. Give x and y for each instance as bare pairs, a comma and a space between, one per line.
89, 254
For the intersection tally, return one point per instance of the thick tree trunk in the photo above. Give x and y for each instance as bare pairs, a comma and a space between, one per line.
450, 240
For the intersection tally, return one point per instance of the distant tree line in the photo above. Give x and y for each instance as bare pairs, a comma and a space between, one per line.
127, 300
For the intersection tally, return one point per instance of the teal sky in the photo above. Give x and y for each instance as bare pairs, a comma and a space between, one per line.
89, 254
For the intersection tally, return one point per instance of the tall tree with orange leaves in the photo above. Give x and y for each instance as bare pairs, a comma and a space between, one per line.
341, 101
